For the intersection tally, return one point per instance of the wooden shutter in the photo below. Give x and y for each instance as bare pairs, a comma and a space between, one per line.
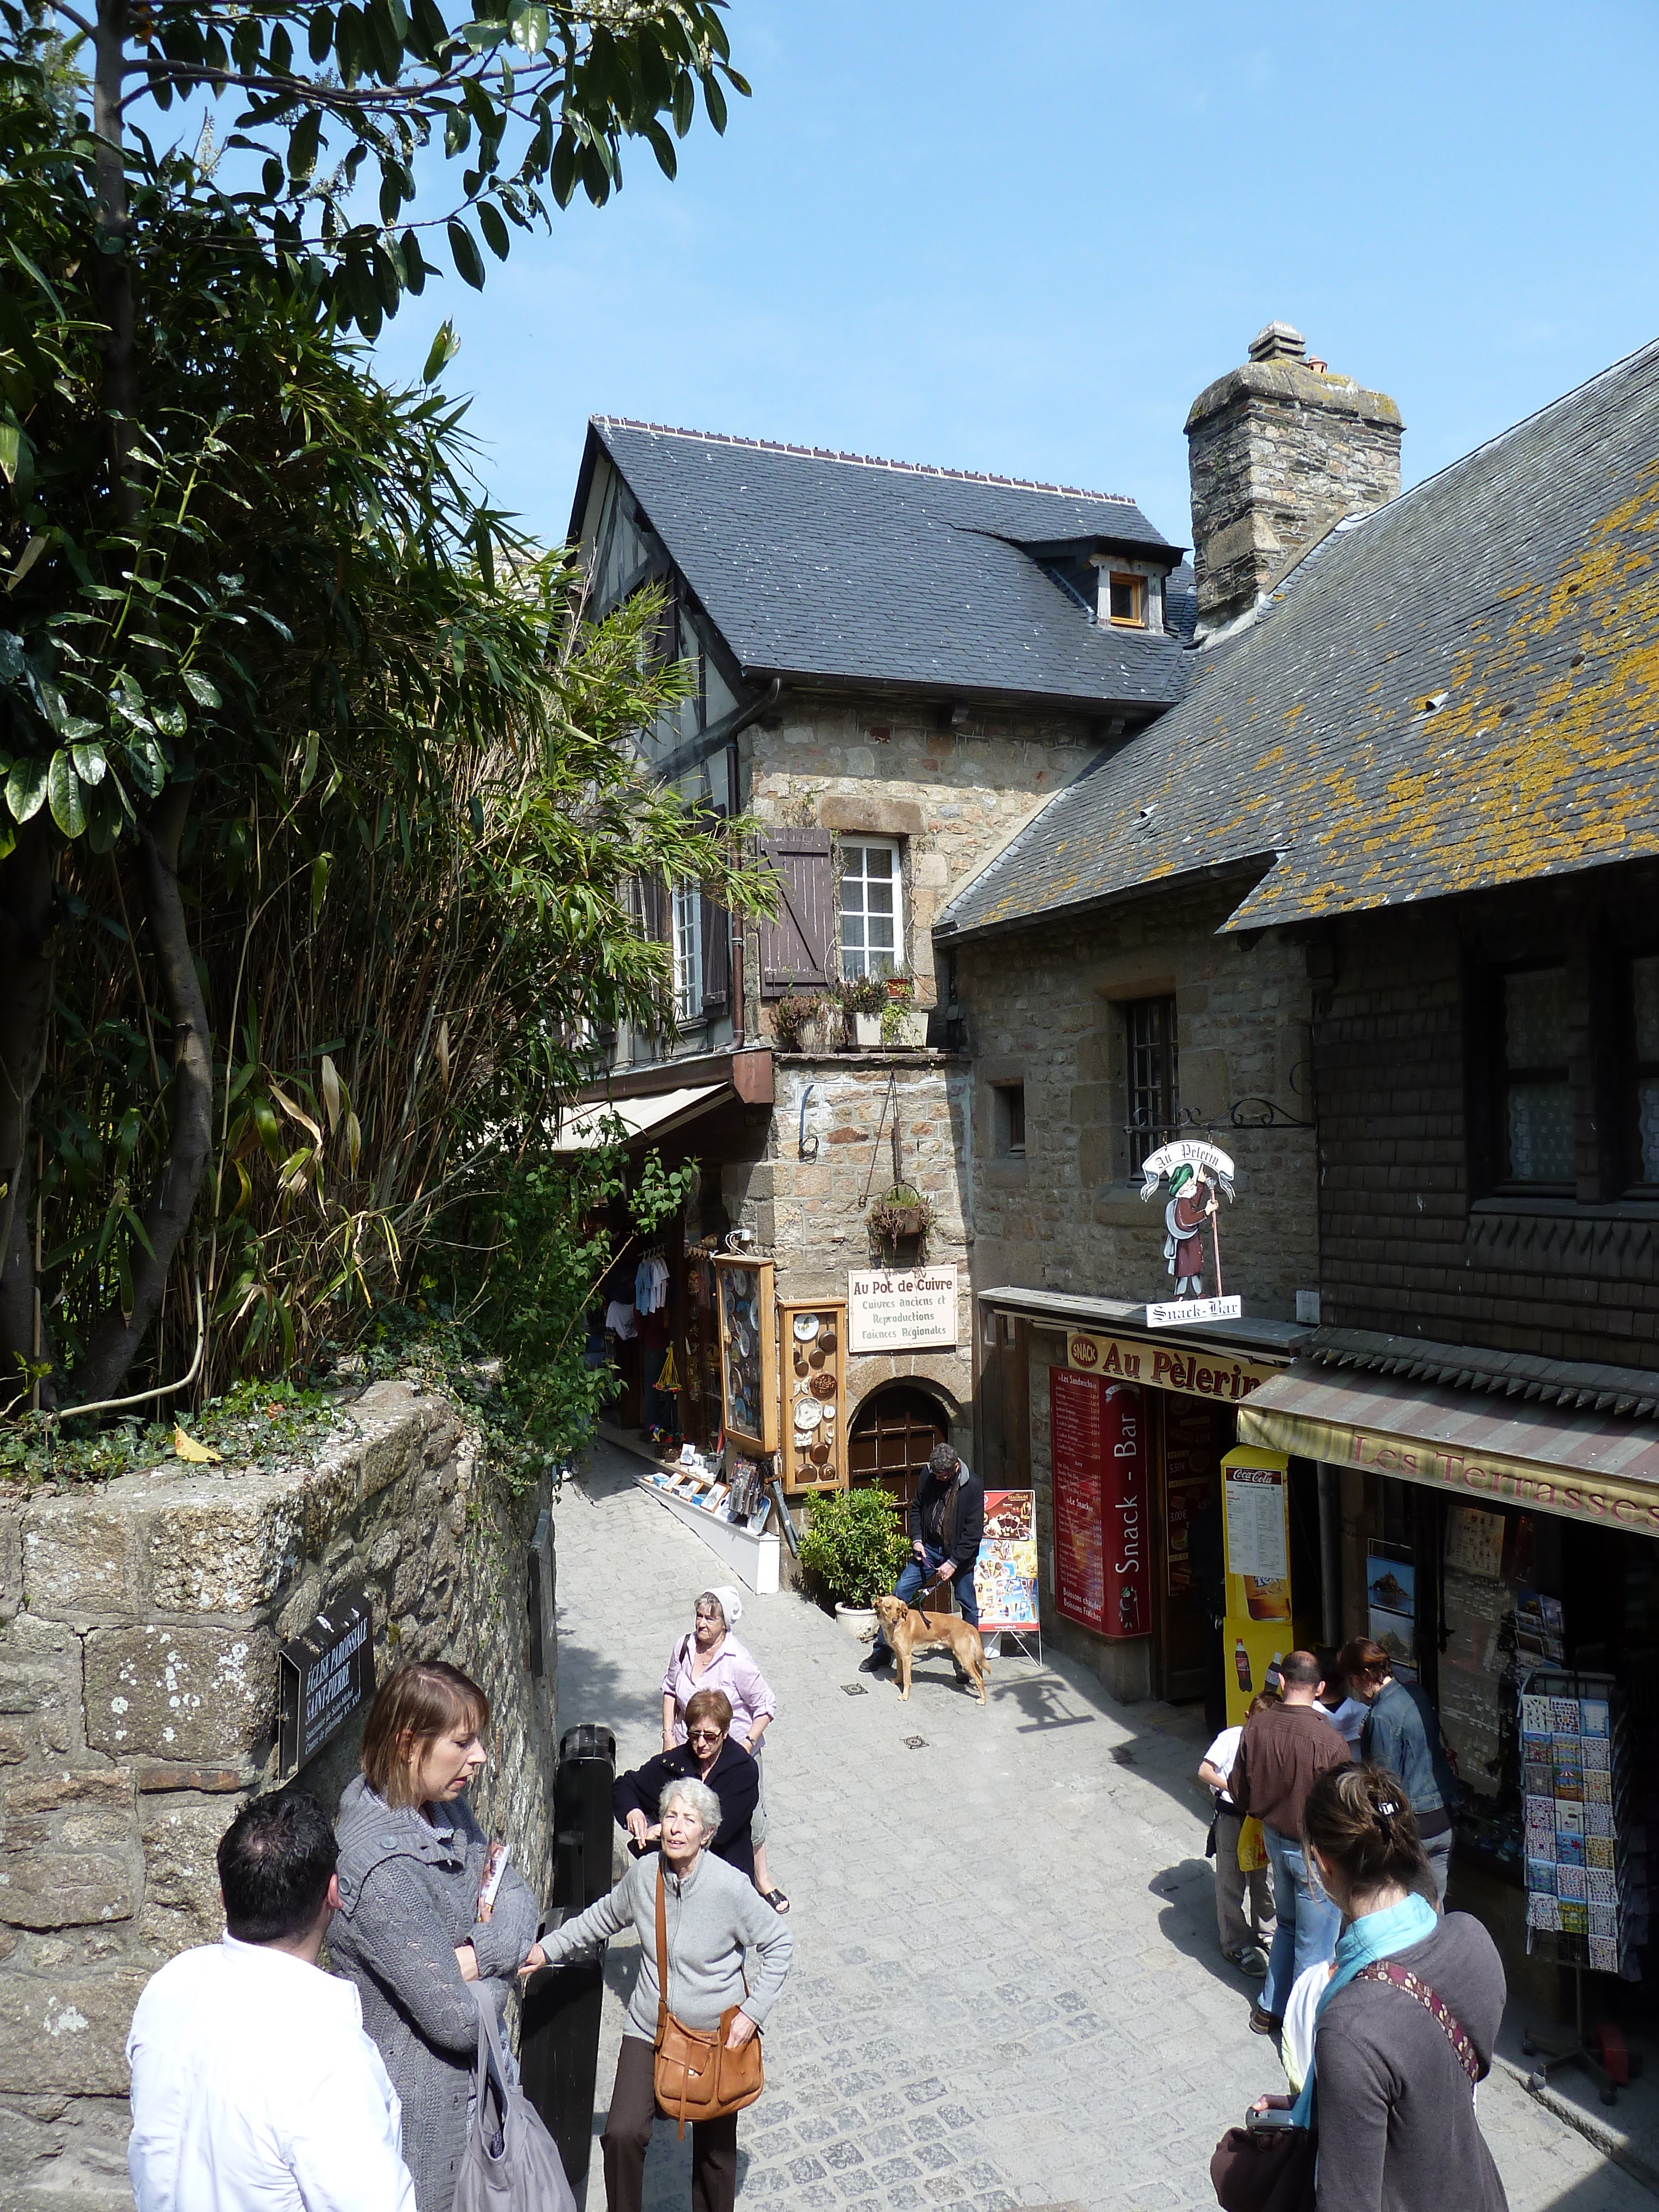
799, 946
655, 909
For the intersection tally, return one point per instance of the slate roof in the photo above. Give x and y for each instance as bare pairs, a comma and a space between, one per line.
833, 567
1457, 691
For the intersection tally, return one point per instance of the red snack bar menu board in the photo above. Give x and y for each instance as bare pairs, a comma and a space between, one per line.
1097, 1441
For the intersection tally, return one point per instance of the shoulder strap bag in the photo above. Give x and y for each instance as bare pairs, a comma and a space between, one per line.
510, 2162
1273, 2172
697, 2078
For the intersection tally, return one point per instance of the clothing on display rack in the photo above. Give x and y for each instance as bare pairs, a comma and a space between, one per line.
619, 1319
650, 1282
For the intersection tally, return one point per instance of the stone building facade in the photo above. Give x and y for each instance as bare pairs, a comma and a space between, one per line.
896, 668
139, 1633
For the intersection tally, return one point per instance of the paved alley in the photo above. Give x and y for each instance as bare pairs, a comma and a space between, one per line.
1007, 1991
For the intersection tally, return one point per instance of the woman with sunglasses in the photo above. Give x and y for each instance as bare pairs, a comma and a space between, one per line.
709, 1755
711, 1658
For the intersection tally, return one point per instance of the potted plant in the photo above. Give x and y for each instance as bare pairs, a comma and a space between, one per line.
864, 1000
855, 1544
899, 1214
795, 1020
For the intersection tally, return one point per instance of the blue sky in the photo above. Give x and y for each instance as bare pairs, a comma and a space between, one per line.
1021, 239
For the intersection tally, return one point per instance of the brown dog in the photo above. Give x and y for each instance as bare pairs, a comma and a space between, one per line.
907, 1630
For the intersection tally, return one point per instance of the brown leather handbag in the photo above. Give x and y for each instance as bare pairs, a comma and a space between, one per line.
697, 2078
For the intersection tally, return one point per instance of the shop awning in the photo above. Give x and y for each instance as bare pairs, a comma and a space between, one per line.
585, 1127
1586, 1466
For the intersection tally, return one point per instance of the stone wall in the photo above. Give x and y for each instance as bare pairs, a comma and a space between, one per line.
139, 1630
1045, 1008
955, 795
811, 1214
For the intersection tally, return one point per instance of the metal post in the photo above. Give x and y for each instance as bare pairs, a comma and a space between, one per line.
559, 2039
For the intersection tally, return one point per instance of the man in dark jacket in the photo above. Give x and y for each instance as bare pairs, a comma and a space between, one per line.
947, 1524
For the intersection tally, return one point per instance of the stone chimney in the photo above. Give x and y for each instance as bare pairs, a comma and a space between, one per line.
1278, 451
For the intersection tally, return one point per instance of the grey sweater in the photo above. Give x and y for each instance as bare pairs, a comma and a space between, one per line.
1397, 2131
409, 1894
716, 1919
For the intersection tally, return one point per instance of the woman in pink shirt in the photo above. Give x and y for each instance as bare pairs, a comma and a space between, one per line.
711, 1658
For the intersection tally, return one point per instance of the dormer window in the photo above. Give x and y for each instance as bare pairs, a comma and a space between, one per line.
1127, 600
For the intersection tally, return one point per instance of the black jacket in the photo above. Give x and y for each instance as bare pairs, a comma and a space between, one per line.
964, 1513
735, 1781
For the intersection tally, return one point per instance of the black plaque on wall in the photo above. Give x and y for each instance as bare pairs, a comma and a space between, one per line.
324, 1675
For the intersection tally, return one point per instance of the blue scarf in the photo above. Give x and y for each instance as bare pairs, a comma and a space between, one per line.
1377, 1936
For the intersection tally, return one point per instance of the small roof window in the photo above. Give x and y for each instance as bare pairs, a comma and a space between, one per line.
1127, 600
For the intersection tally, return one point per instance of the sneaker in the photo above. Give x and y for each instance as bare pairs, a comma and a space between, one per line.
1252, 1963
881, 1656
1264, 2023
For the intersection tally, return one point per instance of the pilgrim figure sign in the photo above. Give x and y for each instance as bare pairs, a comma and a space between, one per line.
1195, 1175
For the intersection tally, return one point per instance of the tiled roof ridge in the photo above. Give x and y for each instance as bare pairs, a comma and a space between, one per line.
861, 460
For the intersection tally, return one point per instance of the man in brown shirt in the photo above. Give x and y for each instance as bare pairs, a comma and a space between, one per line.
1283, 1750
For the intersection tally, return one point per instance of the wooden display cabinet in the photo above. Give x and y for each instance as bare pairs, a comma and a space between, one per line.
812, 1371
749, 1352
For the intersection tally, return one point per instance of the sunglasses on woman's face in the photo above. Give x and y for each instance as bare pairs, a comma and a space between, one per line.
703, 1735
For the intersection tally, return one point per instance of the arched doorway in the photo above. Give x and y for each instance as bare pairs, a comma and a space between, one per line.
892, 1434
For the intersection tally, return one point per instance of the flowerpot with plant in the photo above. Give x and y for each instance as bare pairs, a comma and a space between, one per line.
855, 1544
864, 1001
796, 1018
901, 1213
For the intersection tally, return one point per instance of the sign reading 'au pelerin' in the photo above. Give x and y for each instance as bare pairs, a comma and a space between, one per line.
901, 1309
325, 1675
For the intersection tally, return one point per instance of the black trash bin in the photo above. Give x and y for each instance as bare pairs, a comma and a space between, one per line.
559, 2042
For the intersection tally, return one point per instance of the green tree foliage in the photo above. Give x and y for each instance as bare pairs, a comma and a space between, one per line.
319, 801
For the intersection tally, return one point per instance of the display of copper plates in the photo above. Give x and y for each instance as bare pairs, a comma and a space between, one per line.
827, 1341
823, 1386
800, 1364
819, 1454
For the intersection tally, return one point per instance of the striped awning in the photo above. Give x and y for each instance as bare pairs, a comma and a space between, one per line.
1589, 1466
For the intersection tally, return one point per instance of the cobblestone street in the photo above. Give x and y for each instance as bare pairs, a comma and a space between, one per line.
1006, 1989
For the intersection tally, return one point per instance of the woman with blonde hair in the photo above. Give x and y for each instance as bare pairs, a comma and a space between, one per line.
413, 1929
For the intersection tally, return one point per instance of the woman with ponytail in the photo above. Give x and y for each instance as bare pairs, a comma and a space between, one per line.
1408, 2021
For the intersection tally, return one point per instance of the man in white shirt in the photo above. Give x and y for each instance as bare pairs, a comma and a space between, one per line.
254, 2088
1243, 1942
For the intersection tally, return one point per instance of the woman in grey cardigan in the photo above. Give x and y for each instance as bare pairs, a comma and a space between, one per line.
411, 1931
726, 1947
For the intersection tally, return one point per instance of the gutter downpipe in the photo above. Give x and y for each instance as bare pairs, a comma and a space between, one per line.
1330, 1554
768, 699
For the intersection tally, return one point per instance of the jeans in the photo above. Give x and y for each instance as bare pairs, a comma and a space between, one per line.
914, 1575
1438, 1850
1308, 1923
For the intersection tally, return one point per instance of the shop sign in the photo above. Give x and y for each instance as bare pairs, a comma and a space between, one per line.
1199, 1374
1195, 1174
902, 1309
323, 1676
1098, 1444
1006, 1571
1605, 1501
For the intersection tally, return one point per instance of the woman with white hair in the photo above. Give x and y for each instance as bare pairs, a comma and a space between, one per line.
711, 1658
725, 1948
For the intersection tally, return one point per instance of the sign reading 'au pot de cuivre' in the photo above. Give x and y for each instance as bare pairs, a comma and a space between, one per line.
900, 1309
325, 1675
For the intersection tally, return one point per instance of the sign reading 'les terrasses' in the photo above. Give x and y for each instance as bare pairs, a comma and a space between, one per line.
901, 1309
1199, 1374
326, 1674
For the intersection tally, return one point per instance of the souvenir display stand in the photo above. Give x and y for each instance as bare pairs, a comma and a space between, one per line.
1576, 1755
749, 1352
814, 1369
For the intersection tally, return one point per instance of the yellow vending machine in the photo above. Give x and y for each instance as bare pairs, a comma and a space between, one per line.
1260, 1625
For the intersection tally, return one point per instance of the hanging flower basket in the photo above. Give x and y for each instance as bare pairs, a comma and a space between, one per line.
901, 1214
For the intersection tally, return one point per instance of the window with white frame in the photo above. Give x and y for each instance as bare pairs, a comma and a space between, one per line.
687, 952
872, 907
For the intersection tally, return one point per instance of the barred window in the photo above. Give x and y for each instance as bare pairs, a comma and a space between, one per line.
1154, 1100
